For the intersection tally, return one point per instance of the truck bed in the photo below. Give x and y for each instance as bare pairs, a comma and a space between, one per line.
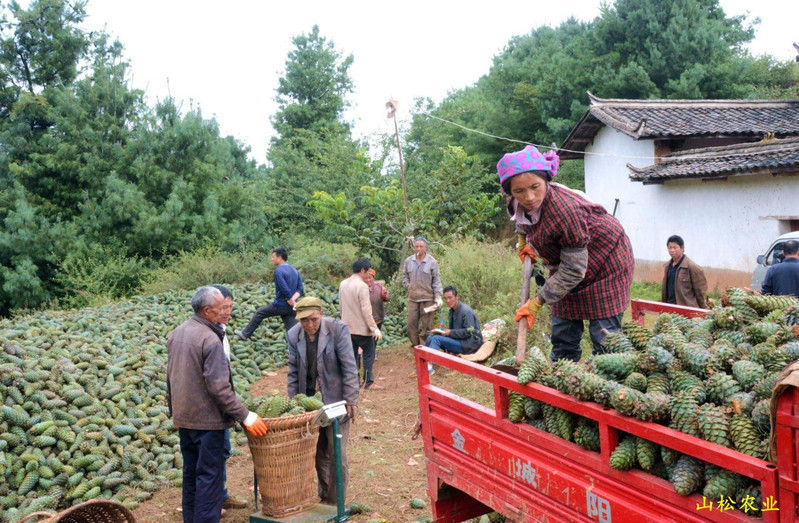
478, 461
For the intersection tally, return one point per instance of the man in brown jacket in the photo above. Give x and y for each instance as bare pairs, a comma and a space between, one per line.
203, 404
684, 282
356, 313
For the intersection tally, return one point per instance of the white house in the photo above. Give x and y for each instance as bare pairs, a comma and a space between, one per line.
720, 173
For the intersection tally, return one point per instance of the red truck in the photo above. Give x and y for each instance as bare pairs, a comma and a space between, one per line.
478, 461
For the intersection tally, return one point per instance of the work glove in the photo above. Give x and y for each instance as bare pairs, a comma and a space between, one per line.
523, 248
255, 425
438, 301
377, 335
529, 310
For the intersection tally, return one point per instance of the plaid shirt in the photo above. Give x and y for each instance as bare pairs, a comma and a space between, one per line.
569, 221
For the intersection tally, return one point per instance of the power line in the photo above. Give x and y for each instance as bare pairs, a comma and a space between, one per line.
540, 146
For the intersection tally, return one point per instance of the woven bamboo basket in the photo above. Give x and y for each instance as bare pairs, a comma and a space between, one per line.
284, 461
93, 511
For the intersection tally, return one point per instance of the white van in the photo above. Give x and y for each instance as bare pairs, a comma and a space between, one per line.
773, 255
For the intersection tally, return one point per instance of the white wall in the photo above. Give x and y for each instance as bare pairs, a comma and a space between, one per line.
724, 223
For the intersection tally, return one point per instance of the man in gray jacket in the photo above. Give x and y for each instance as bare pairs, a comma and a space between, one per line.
321, 358
202, 404
420, 275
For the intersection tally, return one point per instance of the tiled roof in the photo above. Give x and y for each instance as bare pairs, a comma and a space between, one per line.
770, 156
652, 119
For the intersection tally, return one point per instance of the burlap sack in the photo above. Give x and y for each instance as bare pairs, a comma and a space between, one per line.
789, 377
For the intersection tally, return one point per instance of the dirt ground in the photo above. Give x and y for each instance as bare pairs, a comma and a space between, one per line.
387, 467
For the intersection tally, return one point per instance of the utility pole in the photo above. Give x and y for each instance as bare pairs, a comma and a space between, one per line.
391, 107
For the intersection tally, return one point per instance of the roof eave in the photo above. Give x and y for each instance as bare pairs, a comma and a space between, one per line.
574, 145
788, 170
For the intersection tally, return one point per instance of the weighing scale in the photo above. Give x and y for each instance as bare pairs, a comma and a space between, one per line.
327, 415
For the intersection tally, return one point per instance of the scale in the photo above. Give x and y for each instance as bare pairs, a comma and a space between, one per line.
327, 415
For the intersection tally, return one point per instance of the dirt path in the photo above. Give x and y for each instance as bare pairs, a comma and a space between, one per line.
387, 467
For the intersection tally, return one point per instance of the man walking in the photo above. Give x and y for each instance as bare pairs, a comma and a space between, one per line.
288, 289
356, 313
420, 275
321, 356
202, 404
783, 278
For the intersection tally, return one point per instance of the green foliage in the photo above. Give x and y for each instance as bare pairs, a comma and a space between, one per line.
189, 270
571, 174
678, 48
536, 88
310, 162
311, 94
645, 290
487, 276
102, 276
321, 260
89, 170
42, 45
446, 204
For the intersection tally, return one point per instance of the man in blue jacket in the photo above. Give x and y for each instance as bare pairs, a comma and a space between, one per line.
783, 278
288, 289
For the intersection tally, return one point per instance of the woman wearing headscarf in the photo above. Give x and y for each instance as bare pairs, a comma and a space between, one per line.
586, 250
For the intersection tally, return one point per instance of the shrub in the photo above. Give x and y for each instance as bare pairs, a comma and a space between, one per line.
105, 275
487, 276
645, 290
321, 260
207, 265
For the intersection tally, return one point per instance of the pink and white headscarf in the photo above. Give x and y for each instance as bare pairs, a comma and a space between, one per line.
528, 159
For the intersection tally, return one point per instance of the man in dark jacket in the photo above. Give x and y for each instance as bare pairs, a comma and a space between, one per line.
464, 335
321, 358
288, 289
684, 282
202, 404
783, 278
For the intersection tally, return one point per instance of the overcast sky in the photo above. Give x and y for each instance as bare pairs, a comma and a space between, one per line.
227, 57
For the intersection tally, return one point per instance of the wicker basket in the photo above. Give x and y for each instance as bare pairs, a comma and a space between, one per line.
284, 461
93, 511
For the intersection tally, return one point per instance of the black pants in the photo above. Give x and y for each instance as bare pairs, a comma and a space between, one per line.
367, 343
287, 315
566, 336
325, 462
203, 474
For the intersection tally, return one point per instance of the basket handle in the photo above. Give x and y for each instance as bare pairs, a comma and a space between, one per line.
307, 429
37, 515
